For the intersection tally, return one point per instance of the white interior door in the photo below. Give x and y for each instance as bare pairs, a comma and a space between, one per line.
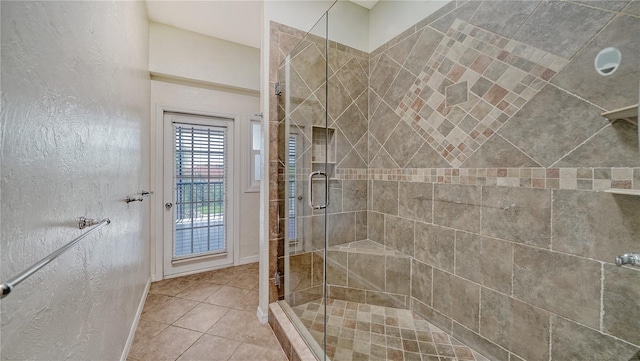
198, 178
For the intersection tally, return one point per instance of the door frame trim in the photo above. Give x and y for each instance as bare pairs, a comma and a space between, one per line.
157, 203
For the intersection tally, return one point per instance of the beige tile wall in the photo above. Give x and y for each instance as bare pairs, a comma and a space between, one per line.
500, 179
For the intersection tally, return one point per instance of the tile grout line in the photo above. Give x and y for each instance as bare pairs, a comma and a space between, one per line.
550, 338
480, 310
526, 20
601, 298
513, 269
551, 203
616, 15
581, 144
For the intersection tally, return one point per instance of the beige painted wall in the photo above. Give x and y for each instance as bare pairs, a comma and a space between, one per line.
194, 56
390, 18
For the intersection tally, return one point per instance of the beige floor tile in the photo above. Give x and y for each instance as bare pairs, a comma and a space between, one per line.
221, 276
170, 287
179, 301
146, 330
246, 280
249, 352
195, 277
168, 345
202, 317
210, 348
248, 302
243, 326
154, 299
199, 291
170, 311
227, 296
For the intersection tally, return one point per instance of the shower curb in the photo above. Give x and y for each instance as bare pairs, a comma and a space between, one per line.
295, 348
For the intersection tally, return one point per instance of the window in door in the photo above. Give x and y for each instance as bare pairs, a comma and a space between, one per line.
198, 188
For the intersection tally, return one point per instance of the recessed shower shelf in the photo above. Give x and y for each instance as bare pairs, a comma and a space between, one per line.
630, 192
622, 113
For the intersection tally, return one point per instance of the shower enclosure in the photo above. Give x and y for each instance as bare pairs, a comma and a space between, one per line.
460, 192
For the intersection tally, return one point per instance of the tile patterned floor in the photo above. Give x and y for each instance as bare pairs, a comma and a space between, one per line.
206, 316
365, 332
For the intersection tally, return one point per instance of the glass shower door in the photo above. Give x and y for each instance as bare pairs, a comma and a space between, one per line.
308, 164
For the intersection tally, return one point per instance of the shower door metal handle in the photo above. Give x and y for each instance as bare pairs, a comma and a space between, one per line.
310, 187
632, 259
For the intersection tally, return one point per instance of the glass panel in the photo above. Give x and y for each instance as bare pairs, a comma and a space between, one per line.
303, 120
256, 167
255, 135
200, 174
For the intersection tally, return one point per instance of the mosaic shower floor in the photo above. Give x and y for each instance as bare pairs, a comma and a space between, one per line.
365, 332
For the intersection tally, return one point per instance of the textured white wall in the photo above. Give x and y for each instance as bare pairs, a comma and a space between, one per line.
195, 56
75, 118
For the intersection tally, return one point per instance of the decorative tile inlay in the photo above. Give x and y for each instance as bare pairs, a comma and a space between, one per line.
357, 331
590, 179
456, 94
475, 76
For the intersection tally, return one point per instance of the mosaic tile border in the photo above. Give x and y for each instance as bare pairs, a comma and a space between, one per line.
589, 179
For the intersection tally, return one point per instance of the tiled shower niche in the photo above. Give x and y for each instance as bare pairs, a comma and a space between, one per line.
486, 163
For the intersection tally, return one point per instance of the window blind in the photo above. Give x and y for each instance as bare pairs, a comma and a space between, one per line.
200, 181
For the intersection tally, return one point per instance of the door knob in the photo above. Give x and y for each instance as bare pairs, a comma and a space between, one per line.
168, 205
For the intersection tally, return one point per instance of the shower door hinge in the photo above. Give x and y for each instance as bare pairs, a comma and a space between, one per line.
278, 89
276, 280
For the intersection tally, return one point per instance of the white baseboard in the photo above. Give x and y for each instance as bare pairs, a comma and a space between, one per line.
263, 316
250, 259
134, 326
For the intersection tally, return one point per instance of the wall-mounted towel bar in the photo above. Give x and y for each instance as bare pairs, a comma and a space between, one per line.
8, 286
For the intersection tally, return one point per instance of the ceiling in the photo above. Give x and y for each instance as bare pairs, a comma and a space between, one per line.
238, 21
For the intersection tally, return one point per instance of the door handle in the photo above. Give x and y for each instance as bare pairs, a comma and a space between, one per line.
326, 196
168, 205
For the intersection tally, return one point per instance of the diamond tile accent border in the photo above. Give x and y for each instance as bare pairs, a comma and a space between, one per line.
473, 83
589, 179
358, 331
